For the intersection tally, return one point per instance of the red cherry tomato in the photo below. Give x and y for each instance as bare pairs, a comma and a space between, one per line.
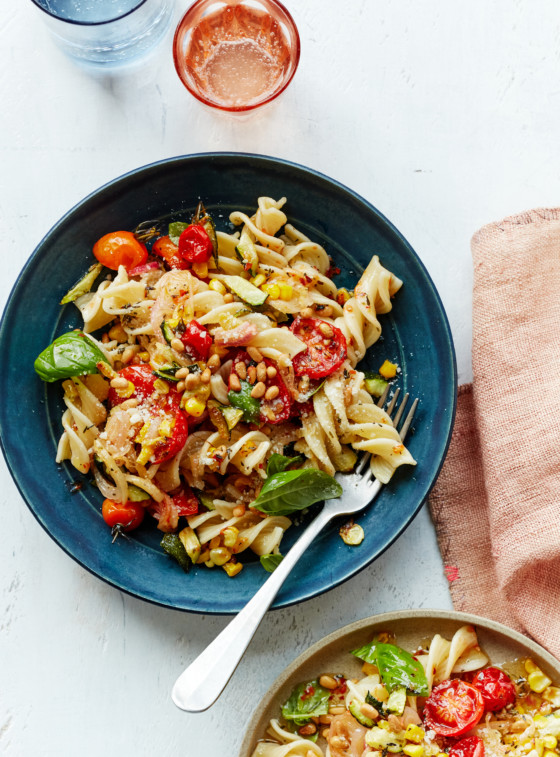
186, 501
453, 708
143, 379
195, 246
168, 250
125, 516
281, 406
197, 341
471, 746
496, 687
170, 445
324, 354
120, 248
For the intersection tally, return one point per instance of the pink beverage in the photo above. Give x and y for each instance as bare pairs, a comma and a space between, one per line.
236, 56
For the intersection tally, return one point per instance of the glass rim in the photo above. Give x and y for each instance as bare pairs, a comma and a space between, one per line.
87, 23
241, 108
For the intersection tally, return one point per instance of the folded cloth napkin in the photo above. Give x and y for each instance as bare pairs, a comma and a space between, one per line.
496, 505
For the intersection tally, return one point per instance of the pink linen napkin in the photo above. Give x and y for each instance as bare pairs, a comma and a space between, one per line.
496, 505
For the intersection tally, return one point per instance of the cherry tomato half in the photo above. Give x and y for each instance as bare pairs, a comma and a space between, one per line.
186, 501
168, 250
170, 445
195, 246
143, 379
471, 746
197, 340
120, 248
453, 708
123, 515
496, 687
324, 354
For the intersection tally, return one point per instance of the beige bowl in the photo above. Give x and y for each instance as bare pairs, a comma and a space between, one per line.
332, 654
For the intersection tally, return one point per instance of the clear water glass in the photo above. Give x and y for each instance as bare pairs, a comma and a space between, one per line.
106, 32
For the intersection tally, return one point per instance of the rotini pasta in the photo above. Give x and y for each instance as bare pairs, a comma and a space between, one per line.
221, 353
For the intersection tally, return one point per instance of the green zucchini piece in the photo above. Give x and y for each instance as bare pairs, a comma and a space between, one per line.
167, 372
167, 332
360, 717
396, 701
232, 415
245, 290
174, 548
247, 253
84, 285
136, 494
205, 500
374, 383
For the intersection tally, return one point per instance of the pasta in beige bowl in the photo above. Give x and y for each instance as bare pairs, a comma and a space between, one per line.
411, 629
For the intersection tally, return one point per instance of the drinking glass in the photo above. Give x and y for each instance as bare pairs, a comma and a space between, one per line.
236, 55
106, 32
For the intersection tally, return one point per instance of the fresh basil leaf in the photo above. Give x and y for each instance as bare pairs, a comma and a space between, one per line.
271, 561
251, 407
288, 491
71, 354
84, 285
308, 700
396, 667
278, 463
176, 229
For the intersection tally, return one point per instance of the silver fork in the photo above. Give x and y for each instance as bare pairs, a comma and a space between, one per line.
198, 687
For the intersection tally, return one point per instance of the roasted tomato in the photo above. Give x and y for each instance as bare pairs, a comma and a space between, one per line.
496, 687
168, 446
326, 347
186, 501
124, 516
453, 708
197, 340
143, 379
195, 246
168, 250
120, 248
471, 746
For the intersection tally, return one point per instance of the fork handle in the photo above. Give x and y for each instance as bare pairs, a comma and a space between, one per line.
198, 687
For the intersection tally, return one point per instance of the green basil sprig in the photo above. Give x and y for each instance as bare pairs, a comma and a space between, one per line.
288, 491
71, 354
396, 667
251, 407
308, 700
271, 561
278, 463
176, 229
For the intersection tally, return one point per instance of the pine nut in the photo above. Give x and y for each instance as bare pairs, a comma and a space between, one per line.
328, 682
181, 386
325, 719
192, 381
306, 313
336, 710
129, 353
258, 390
255, 354
234, 382
238, 511
328, 311
261, 372
271, 372
325, 732
182, 373
177, 345
129, 404
241, 370
214, 363
228, 297
206, 376
395, 723
119, 382
252, 374
369, 711
325, 329
308, 730
271, 415
271, 393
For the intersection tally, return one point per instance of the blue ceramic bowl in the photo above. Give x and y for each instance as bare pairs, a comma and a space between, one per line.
415, 335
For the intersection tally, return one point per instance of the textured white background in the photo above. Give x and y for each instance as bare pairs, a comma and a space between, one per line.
443, 114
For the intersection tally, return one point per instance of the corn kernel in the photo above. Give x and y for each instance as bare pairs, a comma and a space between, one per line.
388, 370
538, 681
166, 427
200, 270
550, 754
220, 556
286, 291
233, 568
539, 747
413, 750
550, 742
273, 291
144, 356
228, 321
230, 535
217, 286
369, 669
210, 564
204, 557
414, 733
190, 542
552, 695
530, 666
195, 407
161, 386
258, 280
342, 296
383, 724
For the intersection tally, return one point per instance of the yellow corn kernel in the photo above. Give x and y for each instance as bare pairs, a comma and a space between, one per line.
166, 427
273, 291
550, 754
413, 750
195, 407
388, 370
106, 370
200, 270
530, 666
550, 742
509, 739
414, 733
383, 724
342, 296
258, 280
369, 669
210, 564
220, 556
539, 747
552, 694
538, 681
217, 286
144, 356
228, 321
161, 386
233, 568
204, 557
230, 535
286, 291
145, 454
215, 542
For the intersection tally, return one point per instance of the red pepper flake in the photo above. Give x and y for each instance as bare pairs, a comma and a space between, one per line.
309, 691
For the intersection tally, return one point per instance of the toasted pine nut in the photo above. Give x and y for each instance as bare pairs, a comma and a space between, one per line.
251, 374
336, 710
325, 329
306, 313
234, 382
182, 373
328, 682
214, 363
117, 332
272, 392
339, 742
271, 372
328, 311
261, 372
206, 375
228, 297
192, 381
258, 390
241, 370
369, 711
325, 719
271, 415
177, 345
129, 404
395, 723
255, 354
119, 382
129, 353
307, 730
325, 732
181, 386
238, 511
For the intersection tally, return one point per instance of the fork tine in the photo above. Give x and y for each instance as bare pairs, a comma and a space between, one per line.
400, 411
362, 462
383, 398
391, 405
408, 421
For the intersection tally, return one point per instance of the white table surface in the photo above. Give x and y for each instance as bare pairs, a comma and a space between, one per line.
445, 116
